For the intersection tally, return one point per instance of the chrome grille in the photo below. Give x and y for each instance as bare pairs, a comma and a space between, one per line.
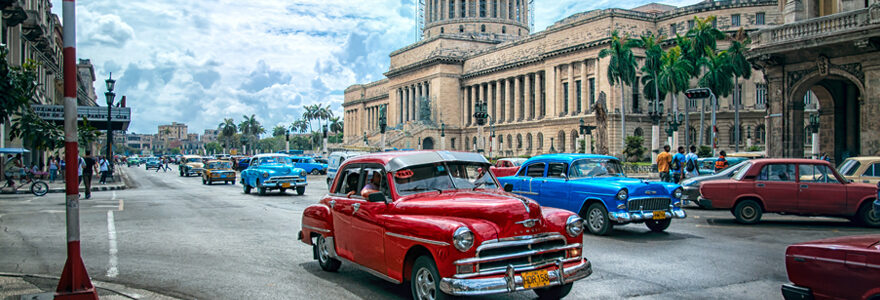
521, 252
648, 204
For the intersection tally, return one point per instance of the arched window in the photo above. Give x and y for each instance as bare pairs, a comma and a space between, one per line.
474, 142
639, 132
760, 134
574, 141
504, 29
692, 135
732, 135
519, 32
501, 141
461, 28
442, 30
540, 141
482, 28
519, 141
561, 140
509, 141
528, 141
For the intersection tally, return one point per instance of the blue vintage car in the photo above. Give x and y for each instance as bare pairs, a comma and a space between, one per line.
273, 172
309, 164
153, 163
596, 188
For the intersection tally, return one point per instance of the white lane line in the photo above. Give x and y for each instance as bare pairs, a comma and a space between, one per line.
114, 196
111, 231
121, 205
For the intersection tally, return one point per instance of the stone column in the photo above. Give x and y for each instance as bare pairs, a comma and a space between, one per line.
538, 108
773, 127
511, 100
529, 109
405, 104
496, 102
585, 102
550, 87
572, 97
517, 99
415, 96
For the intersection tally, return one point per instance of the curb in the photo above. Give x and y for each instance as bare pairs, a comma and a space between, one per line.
118, 289
120, 186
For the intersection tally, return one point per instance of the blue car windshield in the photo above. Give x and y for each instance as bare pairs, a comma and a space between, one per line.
592, 167
274, 160
443, 176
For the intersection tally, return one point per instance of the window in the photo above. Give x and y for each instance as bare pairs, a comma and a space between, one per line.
453, 143
482, 8
445, 176
577, 87
510, 9
503, 29
639, 132
816, 174
592, 83
556, 170
595, 167
501, 140
495, 8
349, 179
460, 28
777, 172
873, 170
482, 28
374, 171
672, 30
519, 141
635, 97
462, 9
540, 140
759, 18
849, 167
451, 10
518, 13
690, 24
734, 20
808, 98
441, 30
760, 95
535, 170
565, 98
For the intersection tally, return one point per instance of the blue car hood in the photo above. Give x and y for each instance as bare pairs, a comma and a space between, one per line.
636, 187
279, 169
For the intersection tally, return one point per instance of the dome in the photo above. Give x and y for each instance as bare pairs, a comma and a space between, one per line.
481, 17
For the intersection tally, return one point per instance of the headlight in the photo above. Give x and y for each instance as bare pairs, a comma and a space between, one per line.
265, 175
622, 195
677, 193
574, 225
302, 173
463, 239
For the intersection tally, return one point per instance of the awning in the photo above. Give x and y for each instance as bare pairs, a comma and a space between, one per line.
13, 150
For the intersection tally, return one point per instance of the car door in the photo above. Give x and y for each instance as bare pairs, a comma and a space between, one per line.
523, 183
819, 191
248, 175
367, 225
553, 189
342, 209
777, 186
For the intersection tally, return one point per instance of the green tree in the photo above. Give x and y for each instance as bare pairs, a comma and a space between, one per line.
228, 129
213, 147
674, 76
18, 85
279, 131
719, 73
634, 151
621, 70
336, 125
740, 67
310, 114
36, 133
702, 36
299, 126
86, 133
653, 54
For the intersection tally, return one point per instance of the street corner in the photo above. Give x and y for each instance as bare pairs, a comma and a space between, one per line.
42, 287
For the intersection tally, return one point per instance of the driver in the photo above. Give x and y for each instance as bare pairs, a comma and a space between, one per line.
372, 186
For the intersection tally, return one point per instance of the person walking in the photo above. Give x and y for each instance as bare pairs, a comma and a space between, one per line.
104, 167
88, 168
691, 166
678, 165
53, 169
663, 160
61, 166
721, 162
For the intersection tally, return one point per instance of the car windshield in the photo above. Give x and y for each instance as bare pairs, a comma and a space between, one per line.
443, 176
730, 171
193, 160
219, 165
274, 160
849, 167
518, 161
742, 171
593, 167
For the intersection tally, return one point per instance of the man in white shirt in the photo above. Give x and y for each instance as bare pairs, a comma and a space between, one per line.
691, 167
104, 167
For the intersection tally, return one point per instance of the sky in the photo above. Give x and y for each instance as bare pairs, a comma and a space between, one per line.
204, 61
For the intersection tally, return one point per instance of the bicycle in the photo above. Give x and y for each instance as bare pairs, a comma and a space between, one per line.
38, 187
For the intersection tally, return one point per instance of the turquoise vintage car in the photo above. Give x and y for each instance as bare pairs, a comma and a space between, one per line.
595, 187
273, 172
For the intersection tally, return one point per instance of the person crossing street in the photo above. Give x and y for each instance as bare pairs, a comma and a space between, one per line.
663, 161
678, 165
691, 166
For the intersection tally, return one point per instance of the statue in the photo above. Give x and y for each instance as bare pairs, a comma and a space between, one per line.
601, 125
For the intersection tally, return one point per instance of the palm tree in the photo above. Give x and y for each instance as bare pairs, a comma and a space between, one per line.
703, 35
310, 114
251, 129
674, 76
323, 113
740, 67
621, 70
719, 74
279, 131
227, 131
336, 125
299, 126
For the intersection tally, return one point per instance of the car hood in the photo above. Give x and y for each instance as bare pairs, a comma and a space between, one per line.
280, 169
856, 241
195, 165
503, 210
636, 187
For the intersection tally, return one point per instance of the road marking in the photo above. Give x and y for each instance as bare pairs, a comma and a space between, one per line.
114, 196
121, 205
111, 231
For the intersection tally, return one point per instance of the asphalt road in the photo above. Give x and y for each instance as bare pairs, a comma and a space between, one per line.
175, 236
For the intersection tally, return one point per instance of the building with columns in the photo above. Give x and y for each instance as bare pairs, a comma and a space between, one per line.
538, 86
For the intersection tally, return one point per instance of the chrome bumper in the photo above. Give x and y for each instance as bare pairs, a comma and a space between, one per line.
625, 217
278, 184
690, 194
511, 282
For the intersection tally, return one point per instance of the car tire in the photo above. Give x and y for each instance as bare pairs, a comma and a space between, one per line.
864, 216
554, 292
658, 225
300, 190
327, 263
425, 280
597, 221
315, 172
204, 182
246, 187
261, 189
748, 212
282, 190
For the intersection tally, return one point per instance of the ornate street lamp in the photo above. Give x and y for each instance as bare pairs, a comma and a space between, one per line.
481, 115
287, 141
814, 128
655, 112
383, 124
672, 123
585, 131
442, 136
366, 141
243, 140
110, 95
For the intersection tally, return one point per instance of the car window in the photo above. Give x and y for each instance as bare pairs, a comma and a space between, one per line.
777, 172
873, 170
556, 170
349, 179
440, 177
469, 175
849, 167
816, 174
738, 175
535, 170
370, 171
583, 168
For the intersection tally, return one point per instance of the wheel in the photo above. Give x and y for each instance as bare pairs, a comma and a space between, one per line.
554, 292
864, 216
247, 188
315, 172
204, 181
283, 190
658, 225
748, 212
300, 190
39, 188
425, 280
327, 263
261, 190
597, 219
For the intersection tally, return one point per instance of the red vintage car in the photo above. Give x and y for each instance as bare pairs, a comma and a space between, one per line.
836, 268
440, 222
806, 187
507, 166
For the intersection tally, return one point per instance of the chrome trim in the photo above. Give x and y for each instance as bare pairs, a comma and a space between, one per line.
528, 223
520, 268
519, 241
317, 229
494, 285
838, 261
524, 192
421, 240
478, 260
371, 271
356, 206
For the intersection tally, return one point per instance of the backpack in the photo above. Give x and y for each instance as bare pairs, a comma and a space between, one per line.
676, 164
691, 165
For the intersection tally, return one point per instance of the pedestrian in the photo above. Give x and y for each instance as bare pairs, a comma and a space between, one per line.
721, 162
663, 160
89, 167
61, 166
104, 167
10, 168
678, 165
825, 157
53, 169
691, 167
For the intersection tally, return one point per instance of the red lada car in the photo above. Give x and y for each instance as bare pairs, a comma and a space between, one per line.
507, 166
835, 268
806, 187
439, 222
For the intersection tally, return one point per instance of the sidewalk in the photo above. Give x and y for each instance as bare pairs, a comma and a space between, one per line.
121, 176
40, 287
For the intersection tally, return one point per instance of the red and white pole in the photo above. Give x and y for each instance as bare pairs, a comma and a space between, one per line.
75, 282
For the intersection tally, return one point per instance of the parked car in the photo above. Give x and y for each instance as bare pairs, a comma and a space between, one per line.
218, 170
707, 164
153, 163
691, 186
273, 172
596, 187
834, 268
440, 223
336, 159
321, 160
863, 169
242, 162
507, 166
309, 164
808, 187
191, 165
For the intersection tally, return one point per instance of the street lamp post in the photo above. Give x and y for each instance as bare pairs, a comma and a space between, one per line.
814, 127
325, 140
110, 95
672, 122
243, 145
586, 133
703, 93
442, 136
481, 116
748, 137
655, 111
287, 141
366, 141
383, 124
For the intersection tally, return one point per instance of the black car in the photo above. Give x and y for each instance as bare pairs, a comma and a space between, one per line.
691, 192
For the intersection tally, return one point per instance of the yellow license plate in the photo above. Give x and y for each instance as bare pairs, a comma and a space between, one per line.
285, 185
659, 215
535, 279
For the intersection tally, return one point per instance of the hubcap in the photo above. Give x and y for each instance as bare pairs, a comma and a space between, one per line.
425, 284
323, 253
597, 220
748, 212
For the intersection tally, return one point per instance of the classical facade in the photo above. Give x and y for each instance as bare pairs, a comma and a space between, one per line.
826, 51
173, 132
537, 87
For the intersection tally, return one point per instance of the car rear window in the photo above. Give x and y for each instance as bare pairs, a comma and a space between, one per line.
849, 167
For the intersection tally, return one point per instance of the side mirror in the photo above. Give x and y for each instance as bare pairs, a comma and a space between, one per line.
376, 197
508, 187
